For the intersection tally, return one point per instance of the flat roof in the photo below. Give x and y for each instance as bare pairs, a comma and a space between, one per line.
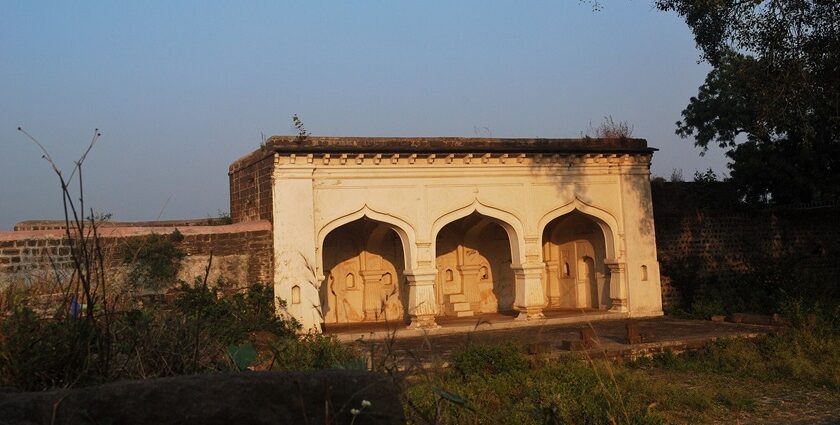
312, 144
430, 145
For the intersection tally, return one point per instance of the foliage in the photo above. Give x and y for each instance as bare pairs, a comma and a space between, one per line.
676, 175
36, 354
772, 96
555, 392
487, 360
314, 351
610, 129
302, 133
153, 260
707, 176
221, 218
190, 335
808, 352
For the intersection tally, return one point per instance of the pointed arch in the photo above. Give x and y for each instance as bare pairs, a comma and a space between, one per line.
509, 222
403, 229
608, 224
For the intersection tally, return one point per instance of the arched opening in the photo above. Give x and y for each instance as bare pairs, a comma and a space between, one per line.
363, 263
474, 267
574, 250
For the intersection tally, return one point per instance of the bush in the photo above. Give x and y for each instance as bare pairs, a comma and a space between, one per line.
37, 354
189, 336
153, 260
314, 351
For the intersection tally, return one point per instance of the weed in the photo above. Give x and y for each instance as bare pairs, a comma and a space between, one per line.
153, 260
808, 352
487, 360
314, 351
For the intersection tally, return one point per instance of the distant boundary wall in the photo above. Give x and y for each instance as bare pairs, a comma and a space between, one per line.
702, 230
242, 252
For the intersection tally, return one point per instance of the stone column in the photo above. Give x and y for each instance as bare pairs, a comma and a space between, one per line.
618, 291
469, 285
530, 299
372, 300
422, 305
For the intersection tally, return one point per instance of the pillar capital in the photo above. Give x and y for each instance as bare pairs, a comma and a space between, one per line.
615, 265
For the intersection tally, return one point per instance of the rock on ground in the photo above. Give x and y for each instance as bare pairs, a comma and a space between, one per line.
317, 397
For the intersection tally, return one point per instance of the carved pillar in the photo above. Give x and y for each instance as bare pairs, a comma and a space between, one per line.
372, 298
469, 285
618, 291
422, 305
530, 299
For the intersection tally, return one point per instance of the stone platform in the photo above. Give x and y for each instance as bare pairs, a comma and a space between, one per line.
547, 336
460, 325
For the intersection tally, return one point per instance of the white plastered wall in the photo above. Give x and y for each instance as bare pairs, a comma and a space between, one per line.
417, 195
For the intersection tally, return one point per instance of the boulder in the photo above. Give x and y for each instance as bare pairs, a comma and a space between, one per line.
316, 397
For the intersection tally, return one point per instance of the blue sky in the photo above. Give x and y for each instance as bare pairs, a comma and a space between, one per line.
181, 89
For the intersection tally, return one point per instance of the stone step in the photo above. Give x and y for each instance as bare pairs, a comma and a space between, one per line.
457, 298
467, 313
461, 307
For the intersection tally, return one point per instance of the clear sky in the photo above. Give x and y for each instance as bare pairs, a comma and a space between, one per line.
180, 89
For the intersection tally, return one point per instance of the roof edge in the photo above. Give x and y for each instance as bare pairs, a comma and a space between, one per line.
430, 145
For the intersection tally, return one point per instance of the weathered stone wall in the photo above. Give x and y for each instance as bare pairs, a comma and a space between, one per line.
242, 253
701, 231
250, 187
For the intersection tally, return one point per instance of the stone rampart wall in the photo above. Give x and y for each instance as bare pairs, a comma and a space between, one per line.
702, 232
250, 188
241, 252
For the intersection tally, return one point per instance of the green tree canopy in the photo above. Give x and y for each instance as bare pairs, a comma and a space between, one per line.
772, 98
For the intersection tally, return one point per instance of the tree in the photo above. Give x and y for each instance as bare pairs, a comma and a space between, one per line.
772, 98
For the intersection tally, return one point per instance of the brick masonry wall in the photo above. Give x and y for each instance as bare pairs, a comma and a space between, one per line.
250, 188
242, 253
701, 229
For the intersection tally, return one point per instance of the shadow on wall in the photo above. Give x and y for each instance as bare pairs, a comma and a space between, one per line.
577, 187
474, 267
363, 267
596, 178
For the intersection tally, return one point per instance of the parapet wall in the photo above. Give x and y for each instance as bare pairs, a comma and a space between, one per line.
241, 252
250, 187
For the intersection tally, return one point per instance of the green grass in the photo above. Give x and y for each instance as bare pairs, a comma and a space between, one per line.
807, 355
499, 385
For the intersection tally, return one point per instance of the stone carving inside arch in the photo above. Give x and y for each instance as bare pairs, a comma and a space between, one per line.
474, 262
367, 256
576, 274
